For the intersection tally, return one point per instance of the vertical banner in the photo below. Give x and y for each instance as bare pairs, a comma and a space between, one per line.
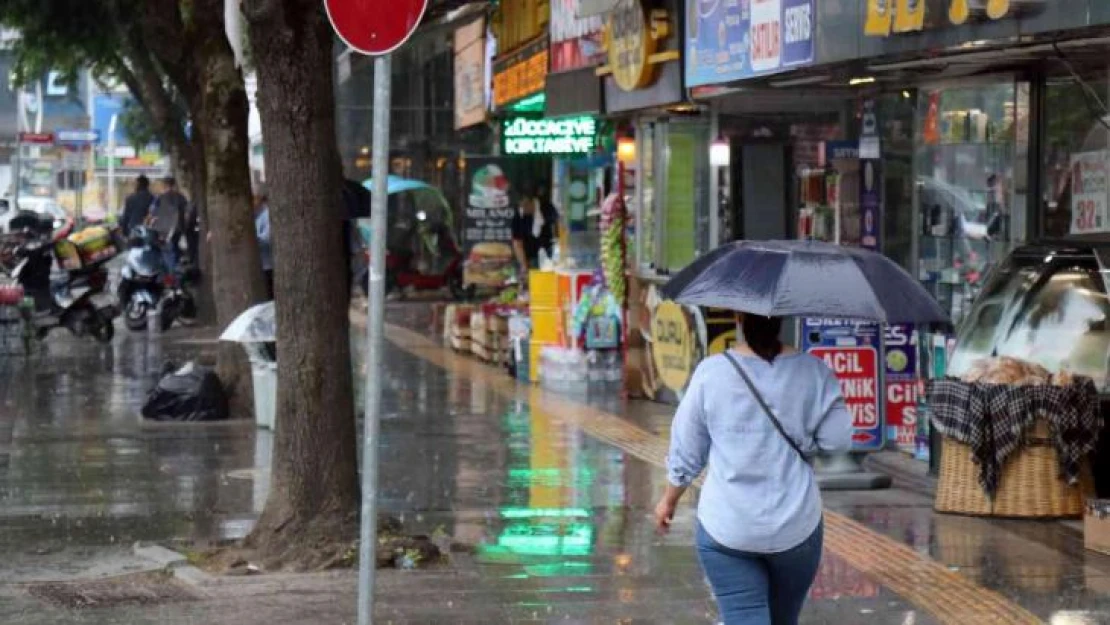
851, 350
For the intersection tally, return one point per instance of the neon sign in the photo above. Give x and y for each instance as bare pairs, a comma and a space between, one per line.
524, 136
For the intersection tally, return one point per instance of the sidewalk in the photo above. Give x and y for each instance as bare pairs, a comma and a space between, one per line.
554, 494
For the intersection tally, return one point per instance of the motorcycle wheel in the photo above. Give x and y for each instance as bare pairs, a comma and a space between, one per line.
187, 315
102, 328
134, 315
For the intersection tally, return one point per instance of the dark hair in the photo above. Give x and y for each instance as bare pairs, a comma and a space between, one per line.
143, 182
762, 335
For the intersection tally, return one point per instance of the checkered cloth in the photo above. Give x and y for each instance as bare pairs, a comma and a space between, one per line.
994, 419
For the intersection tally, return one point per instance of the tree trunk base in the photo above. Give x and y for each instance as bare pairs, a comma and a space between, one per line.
323, 543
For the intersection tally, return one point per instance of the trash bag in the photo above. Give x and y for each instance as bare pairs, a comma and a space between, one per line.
191, 393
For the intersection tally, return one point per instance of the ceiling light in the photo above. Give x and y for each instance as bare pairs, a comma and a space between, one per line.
861, 80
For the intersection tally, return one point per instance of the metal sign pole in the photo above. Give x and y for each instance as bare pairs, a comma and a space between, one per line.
368, 536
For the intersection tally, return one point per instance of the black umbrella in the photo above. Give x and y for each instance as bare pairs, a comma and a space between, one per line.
804, 279
356, 199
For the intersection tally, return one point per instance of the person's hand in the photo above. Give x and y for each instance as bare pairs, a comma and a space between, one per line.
664, 514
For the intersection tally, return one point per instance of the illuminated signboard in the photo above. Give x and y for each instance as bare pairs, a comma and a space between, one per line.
521, 73
522, 136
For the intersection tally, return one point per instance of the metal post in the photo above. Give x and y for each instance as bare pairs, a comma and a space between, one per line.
368, 536
18, 170
112, 164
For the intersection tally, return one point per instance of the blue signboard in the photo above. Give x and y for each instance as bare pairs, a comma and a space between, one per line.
729, 40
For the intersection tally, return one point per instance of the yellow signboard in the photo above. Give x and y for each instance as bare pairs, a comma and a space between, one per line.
909, 16
902, 16
672, 345
632, 39
879, 18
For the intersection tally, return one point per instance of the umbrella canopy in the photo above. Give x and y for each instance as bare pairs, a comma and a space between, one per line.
804, 279
255, 325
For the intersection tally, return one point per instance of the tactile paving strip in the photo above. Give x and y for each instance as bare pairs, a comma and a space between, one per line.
946, 595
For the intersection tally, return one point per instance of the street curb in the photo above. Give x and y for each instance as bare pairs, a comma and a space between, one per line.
174, 563
162, 557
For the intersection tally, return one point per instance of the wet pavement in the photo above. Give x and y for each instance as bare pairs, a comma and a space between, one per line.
554, 492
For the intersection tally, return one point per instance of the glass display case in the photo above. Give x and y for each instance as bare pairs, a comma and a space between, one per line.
968, 185
1045, 304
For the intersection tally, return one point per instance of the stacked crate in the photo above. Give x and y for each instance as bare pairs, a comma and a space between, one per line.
457, 333
489, 336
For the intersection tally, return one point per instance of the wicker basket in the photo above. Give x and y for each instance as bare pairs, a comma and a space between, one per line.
1028, 487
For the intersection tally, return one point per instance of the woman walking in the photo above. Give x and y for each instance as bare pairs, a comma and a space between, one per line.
755, 415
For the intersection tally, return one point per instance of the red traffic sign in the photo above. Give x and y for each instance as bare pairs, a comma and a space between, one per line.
375, 27
36, 138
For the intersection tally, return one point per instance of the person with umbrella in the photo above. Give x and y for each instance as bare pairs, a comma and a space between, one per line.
759, 530
757, 414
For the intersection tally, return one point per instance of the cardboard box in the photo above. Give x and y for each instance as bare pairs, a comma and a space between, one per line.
1096, 526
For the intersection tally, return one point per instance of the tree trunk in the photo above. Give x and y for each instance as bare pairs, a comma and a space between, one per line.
190, 170
313, 501
192, 47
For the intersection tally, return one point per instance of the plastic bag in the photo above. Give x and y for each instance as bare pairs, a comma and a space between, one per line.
191, 393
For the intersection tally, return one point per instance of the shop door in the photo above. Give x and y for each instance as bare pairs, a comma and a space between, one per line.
763, 209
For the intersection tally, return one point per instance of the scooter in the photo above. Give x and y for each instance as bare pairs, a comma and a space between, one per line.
146, 285
80, 302
435, 263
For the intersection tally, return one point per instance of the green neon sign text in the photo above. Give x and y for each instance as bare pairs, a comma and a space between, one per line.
523, 136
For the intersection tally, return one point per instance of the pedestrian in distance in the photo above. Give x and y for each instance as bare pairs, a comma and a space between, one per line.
167, 217
265, 244
755, 415
136, 206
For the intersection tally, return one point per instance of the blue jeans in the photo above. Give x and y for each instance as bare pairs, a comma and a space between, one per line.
756, 588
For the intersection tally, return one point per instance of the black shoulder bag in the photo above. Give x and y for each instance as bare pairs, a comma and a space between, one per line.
766, 409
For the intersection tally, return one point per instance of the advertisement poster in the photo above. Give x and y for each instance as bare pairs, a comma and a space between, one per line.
470, 75
729, 40
489, 212
1089, 192
903, 385
575, 40
851, 350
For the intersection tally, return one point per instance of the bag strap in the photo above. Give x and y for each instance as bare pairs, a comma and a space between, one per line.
766, 409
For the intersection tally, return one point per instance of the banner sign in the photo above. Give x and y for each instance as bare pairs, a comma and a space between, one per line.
1089, 191
575, 39
852, 351
728, 40
470, 74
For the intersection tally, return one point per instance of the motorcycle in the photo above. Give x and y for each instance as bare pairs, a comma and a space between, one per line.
79, 302
421, 252
146, 285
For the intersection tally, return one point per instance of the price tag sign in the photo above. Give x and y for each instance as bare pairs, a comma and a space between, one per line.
1089, 192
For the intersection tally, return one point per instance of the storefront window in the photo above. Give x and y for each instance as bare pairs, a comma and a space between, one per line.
674, 224
1076, 141
969, 185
